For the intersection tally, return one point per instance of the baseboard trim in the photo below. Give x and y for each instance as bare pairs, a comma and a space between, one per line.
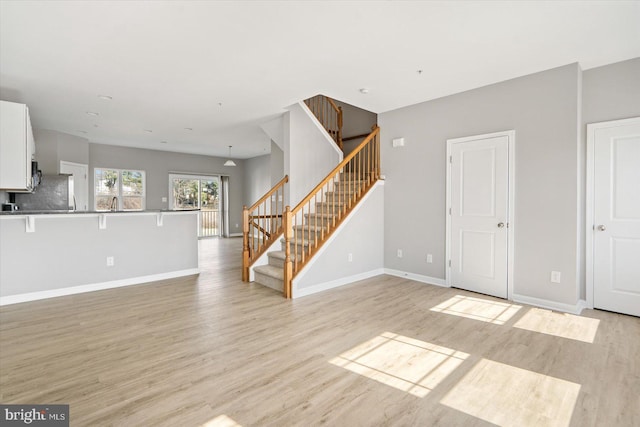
235, 235
417, 277
297, 293
551, 305
34, 296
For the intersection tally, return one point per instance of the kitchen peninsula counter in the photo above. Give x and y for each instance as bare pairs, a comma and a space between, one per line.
75, 212
45, 254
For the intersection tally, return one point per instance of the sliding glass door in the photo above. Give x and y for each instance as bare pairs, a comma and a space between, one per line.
198, 192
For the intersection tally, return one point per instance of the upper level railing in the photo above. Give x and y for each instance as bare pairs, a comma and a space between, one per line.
329, 115
262, 225
316, 217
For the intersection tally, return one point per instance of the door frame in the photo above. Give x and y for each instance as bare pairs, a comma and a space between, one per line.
86, 172
590, 199
511, 136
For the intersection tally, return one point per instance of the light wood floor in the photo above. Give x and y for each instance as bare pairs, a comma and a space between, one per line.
385, 351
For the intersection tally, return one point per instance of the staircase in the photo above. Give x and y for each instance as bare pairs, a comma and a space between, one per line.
313, 229
304, 229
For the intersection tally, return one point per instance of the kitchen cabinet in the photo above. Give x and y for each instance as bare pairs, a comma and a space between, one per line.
17, 148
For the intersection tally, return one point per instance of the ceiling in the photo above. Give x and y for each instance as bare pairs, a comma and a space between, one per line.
201, 76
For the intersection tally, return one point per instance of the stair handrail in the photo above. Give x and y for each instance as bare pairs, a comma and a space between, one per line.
328, 114
262, 224
346, 184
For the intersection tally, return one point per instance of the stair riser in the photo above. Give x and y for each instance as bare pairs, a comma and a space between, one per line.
283, 247
306, 232
330, 207
269, 282
339, 196
324, 222
276, 262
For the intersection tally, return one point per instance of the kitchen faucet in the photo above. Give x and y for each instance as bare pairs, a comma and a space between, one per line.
114, 204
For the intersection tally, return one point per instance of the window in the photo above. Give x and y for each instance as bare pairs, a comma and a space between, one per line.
197, 192
117, 189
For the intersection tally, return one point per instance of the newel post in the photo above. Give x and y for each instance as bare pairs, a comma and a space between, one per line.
288, 264
245, 244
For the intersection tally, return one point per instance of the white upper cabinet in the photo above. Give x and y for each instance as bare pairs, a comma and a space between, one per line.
17, 147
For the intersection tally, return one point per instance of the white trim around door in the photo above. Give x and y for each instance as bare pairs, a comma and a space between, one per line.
590, 200
510, 221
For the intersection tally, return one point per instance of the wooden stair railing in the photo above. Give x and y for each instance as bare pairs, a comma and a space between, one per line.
317, 216
262, 225
329, 115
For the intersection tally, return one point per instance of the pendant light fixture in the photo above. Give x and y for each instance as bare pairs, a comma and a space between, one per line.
230, 162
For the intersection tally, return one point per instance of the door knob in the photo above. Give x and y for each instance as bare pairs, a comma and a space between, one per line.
602, 227
500, 224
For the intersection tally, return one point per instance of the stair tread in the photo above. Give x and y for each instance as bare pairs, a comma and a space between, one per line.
270, 270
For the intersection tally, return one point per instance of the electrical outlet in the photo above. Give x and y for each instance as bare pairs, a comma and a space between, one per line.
350, 257
555, 277
429, 258
110, 261
237, 225
399, 253
164, 200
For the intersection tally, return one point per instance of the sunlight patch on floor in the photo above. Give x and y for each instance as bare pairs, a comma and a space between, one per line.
407, 364
559, 324
495, 312
221, 421
510, 396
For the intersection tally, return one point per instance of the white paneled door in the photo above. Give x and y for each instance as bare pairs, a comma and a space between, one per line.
479, 202
80, 183
616, 216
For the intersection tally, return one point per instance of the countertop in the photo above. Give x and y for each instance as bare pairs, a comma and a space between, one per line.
63, 212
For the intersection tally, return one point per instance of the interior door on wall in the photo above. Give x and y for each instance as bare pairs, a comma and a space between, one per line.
479, 194
616, 238
80, 183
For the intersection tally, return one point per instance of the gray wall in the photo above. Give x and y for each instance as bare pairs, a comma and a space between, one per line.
53, 147
257, 178
355, 121
158, 164
72, 250
543, 110
276, 163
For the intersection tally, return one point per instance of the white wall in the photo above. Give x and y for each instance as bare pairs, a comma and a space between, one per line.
542, 108
360, 235
310, 153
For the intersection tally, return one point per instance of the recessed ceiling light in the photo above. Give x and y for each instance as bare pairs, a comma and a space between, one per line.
419, 71
148, 130
189, 129
105, 97
93, 113
163, 142
82, 131
364, 90
220, 104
